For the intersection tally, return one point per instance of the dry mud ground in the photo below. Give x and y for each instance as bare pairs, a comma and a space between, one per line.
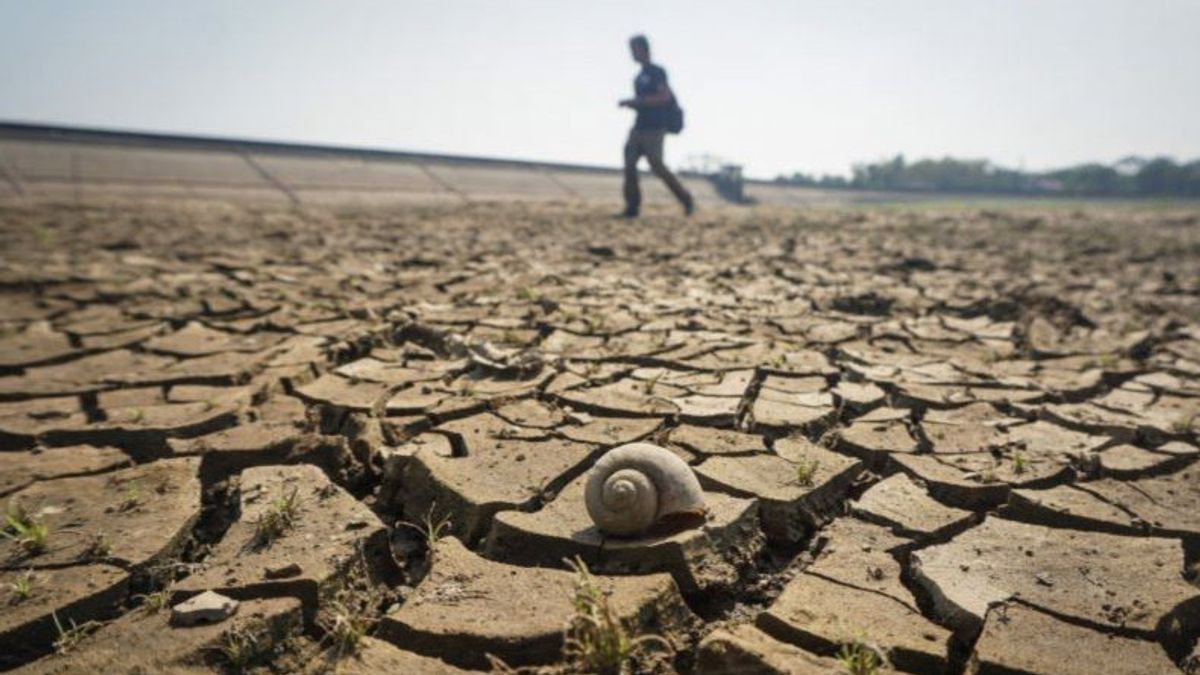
963, 440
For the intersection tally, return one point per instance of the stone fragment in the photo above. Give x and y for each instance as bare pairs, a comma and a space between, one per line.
207, 607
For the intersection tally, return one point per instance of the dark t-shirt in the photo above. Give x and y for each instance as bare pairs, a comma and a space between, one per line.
647, 82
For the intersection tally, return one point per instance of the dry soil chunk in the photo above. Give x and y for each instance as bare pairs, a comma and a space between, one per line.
142, 514
144, 641
709, 441
1166, 504
37, 343
327, 528
1102, 579
610, 431
708, 557
18, 469
468, 606
798, 489
78, 593
746, 650
819, 615
1019, 639
862, 555
906, 507
343, 393
376, 656
196, 339
498, 472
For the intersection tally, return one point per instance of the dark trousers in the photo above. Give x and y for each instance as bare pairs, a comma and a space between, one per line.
648, 143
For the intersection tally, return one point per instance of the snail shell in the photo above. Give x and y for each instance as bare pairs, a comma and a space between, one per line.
638, 485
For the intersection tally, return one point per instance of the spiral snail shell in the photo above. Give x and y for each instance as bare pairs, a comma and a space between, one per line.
638, 485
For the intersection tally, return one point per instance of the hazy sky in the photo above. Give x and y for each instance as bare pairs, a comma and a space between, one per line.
777, 86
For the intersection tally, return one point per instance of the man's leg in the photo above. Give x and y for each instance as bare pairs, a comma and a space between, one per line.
633, 194
653, 147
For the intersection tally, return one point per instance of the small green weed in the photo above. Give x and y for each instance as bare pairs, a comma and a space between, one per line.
346, 627
28, 533
98, 548
431, 527
238, 648
69, 638
1020, 463
22, 588
595, 640
858, 658
132, 497
806, 472
155, 601
278, 519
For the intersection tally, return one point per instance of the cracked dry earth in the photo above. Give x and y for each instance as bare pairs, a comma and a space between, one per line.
965, 440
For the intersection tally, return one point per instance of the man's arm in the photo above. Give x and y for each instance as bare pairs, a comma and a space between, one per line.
659, 97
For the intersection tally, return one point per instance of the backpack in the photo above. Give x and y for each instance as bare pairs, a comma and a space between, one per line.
674, 118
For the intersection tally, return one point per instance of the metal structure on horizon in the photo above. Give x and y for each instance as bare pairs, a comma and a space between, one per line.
64, 163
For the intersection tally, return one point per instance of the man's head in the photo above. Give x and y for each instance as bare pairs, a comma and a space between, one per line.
640, 47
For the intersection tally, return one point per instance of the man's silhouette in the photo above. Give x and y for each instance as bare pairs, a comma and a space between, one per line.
653, 102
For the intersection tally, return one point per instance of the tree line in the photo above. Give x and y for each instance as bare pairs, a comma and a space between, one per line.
1130, 177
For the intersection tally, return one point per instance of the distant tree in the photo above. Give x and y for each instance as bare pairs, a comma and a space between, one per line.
1130, 176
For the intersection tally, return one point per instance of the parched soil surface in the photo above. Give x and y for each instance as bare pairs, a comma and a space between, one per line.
960, 440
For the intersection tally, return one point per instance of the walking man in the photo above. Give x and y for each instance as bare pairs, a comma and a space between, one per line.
654, 104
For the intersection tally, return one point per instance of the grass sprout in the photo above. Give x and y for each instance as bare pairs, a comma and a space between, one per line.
238, 648
431, 527
346, 628
22, 588
1020, 463
69, 638
596, 641
806, 472
279, 517
26, 531
859, 658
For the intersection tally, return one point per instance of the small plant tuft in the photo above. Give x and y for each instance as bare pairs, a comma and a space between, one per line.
69, 638
859, 658
431, 527
154, 602
238, 648
22, 588
98, 548
1020, 463
346, 628
132, 497
25, 530
595, 640
278, 519
806, 472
